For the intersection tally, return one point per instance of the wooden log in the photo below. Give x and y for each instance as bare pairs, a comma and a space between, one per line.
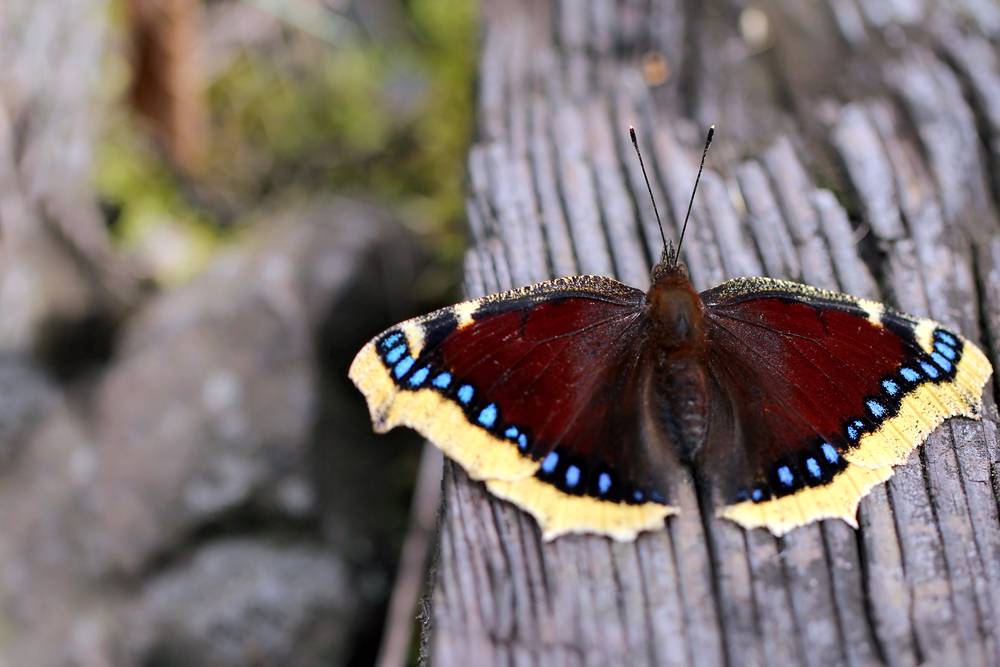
856, 146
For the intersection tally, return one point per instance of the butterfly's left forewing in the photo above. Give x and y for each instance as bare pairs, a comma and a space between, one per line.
533, 391
827, 393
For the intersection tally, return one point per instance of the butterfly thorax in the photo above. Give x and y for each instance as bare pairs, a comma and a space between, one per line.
676, 329
676, 311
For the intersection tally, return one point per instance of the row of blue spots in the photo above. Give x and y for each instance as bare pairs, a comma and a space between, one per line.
944, 357
573, 476
945, 352
655, 496
394, 351
786, 475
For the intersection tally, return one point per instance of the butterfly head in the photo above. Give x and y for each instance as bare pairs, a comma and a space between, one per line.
668, 260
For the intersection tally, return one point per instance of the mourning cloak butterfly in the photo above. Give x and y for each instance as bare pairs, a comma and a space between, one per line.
575, 398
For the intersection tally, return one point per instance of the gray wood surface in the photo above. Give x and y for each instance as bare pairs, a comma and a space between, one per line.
857, 149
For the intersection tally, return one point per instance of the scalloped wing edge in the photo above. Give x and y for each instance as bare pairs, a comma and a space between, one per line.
559, 513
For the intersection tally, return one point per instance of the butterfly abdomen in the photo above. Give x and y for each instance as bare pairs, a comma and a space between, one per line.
681, 386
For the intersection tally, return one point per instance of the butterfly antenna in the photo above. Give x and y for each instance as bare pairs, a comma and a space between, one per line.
635, 143
687, 216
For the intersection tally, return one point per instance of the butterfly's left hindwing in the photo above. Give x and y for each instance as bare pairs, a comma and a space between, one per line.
533, 391
827, 394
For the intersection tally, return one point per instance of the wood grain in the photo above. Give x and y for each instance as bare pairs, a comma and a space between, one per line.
855, 151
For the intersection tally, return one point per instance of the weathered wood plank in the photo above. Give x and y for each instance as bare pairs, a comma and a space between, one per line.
891, 196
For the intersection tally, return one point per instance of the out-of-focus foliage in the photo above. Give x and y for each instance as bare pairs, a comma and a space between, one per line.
371, 100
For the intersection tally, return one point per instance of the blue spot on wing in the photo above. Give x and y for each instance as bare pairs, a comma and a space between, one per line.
390, 340
946, 337
942, 363
419, 376
852, 433
402, 367
813, 467
488, 415
395, 353
945, 349
756, 495
442, 381
572, 476
522, 442
511, 432
785, 476
890, 387
931, 371
909, 374
876, 408
465, 393
637, 496
603, 483
550, 462
829, 452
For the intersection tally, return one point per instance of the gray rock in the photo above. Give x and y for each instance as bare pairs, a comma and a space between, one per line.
242, 602
210, 409
27, 394
215, 417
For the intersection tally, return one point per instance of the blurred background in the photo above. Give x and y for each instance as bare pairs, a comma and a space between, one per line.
206, 208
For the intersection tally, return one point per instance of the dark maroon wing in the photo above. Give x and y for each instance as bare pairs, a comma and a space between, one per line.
537, 392
821, 394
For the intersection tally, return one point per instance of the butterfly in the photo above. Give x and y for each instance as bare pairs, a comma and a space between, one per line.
577, 398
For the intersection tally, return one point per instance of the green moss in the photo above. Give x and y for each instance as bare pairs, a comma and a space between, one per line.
385, 117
